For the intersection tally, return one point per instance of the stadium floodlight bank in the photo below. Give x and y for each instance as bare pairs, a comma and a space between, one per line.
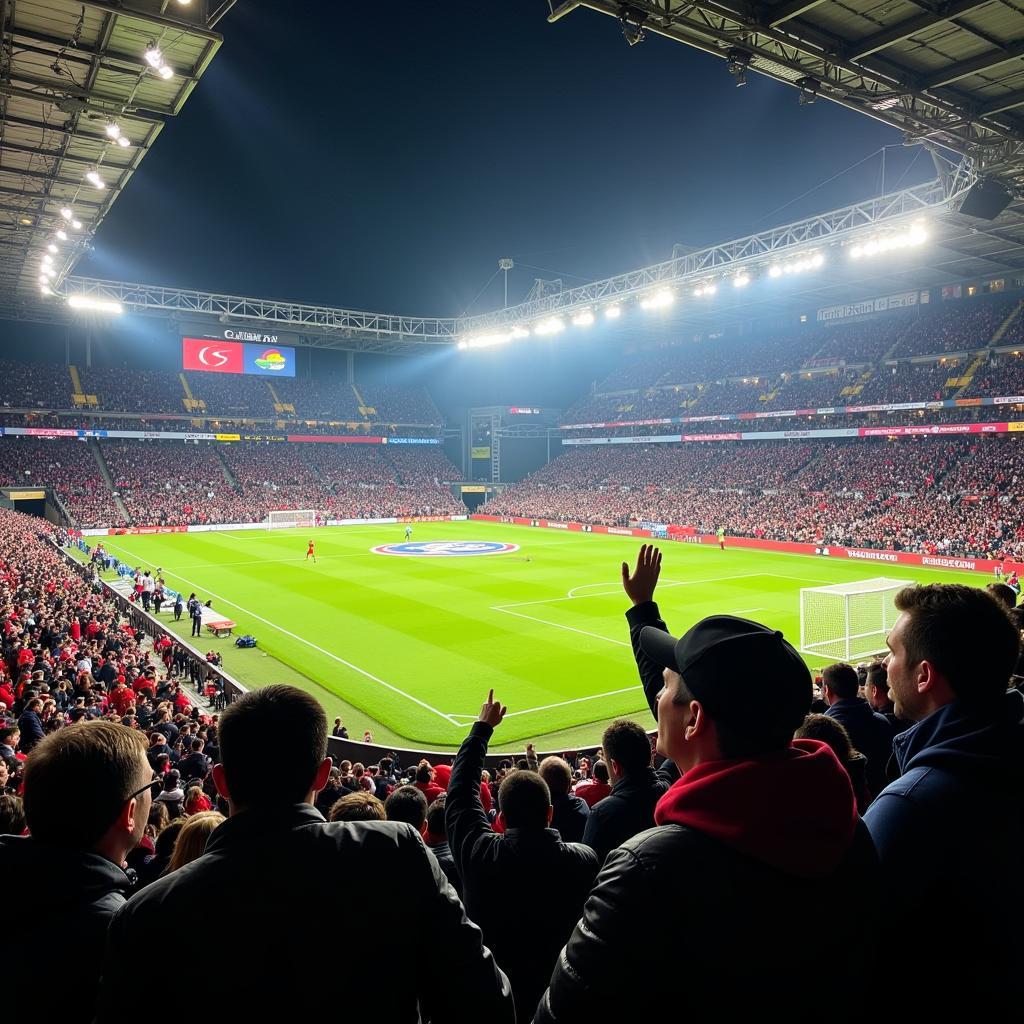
284, 519
848, 621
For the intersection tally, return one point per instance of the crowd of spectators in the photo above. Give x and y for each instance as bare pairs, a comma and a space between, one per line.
126, 809
962, 496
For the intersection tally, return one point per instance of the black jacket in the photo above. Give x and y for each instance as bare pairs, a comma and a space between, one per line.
741, 940
60, 903
443, 854
569, 817
627, 810
870, 733
525, 888
281, 883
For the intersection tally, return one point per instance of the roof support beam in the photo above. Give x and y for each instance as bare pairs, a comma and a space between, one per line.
966, 68
905, 29
1007, 102
792, 9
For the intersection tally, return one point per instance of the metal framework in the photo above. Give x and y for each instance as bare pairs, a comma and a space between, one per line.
69, 68
943, 71
959, 250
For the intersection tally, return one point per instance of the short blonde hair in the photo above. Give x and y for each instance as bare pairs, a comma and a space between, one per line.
191, 842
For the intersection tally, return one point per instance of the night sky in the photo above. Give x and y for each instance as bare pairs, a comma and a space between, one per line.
385, 156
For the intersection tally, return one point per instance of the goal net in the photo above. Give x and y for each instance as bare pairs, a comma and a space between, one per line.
848, 621
300, 517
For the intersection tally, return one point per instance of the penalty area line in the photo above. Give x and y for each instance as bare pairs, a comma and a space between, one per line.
309, 643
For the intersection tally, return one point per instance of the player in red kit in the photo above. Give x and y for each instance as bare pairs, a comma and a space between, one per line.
310, 553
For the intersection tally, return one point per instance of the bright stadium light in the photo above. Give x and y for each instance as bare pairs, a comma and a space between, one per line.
48, 272
553, 325
741, 280
77, 225
94, 179
800, 265
123, 142
52, 248
47, 258
658, 300
166, 72
154, 58
705, 290
61, 234
46, 289
584, 318
519, 332
87, 302
113, 130
494, 338
66, 213
613, 312
907, 238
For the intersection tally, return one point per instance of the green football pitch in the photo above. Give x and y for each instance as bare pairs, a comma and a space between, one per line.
409, 646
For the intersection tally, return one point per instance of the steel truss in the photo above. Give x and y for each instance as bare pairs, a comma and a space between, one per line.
358, 330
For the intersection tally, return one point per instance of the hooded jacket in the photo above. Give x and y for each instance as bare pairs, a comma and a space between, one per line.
949, 835
870, 733
747, 867
63, 899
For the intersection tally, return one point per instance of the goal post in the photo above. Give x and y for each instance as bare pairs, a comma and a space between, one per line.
282, 519
848, 621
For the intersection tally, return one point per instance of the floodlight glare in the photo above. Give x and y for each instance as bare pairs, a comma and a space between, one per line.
658, 300
94, 179
46, 289
123, 142
553, 325
61, 234
47, 258
741, 280
915, 235
77, 225
52, 248
65, 212
166, 72
113, 130
154, 58
613, 312
584, 318
87, 302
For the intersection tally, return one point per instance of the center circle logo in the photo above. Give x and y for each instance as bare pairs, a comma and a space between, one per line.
445, 548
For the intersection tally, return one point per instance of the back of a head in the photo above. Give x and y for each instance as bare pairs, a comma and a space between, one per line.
524, 799
626, 743
877, 676
424, 772
192, 839
1003, 594
841, 679
296, 722
555, 771
966, 634
827, 730
407, 804
102, 759
12, 815
601, 771
359, 806
435, 819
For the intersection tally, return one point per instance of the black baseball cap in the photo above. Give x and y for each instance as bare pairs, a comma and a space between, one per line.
741, 671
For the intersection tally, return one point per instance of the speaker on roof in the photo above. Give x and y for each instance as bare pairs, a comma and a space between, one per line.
986, 199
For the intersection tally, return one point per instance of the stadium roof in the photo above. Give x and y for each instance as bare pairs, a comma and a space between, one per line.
949, 72
67, 71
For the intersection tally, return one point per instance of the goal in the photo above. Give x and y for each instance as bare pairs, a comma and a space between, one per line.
300, 517
848, 621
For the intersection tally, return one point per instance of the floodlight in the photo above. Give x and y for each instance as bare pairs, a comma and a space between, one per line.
741, 280
613, 312
65, 212
52, 248
61, 234
154, 58
113, 131
553, 325
166, 72
77, 225
123, 142
47, 258
46, 289
93, 177
584, 318
87, 302
658, 300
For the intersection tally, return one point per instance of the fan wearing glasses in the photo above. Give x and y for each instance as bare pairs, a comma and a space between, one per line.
88, 792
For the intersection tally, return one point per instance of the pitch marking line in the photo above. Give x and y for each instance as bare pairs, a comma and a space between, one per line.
308, 643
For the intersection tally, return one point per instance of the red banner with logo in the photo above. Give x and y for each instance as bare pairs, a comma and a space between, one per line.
211, 356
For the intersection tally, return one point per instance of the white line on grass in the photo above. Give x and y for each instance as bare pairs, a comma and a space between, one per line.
562, 703
308, 643
558, 625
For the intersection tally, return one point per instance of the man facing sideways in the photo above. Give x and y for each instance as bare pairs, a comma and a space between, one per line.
755, 844
87, 800
948, 830
281, 879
